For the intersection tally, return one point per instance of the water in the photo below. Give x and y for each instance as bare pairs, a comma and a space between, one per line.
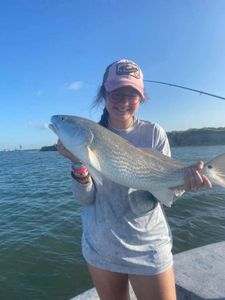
40, 228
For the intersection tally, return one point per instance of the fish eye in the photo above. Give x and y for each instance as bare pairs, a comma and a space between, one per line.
210, 167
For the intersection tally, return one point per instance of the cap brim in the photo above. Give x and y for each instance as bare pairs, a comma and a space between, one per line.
111, 86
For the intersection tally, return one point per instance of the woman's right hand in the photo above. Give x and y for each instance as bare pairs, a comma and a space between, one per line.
82, 178
63, 151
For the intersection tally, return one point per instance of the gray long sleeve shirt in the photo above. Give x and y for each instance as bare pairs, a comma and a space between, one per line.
125, 230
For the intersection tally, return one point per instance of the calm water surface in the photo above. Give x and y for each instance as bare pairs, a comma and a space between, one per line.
40, 228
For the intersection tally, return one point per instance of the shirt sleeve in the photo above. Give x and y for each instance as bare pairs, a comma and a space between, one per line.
161, 142
83, 193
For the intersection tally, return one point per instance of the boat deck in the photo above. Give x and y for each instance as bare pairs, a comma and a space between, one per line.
199, 273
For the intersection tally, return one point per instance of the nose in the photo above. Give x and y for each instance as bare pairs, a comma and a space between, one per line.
125, 99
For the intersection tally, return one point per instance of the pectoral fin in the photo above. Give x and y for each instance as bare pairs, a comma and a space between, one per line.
93, 165
95, 175
168, 196
93, 159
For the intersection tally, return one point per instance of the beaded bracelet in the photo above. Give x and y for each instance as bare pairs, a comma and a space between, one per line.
80, 173
79, 169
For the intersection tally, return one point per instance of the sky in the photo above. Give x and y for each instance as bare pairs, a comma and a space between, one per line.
53, 54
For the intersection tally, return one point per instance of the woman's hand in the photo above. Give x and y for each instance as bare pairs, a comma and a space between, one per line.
63, 151
83, 177
193, 180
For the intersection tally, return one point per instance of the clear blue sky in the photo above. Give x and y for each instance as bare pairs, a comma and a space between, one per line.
53, 54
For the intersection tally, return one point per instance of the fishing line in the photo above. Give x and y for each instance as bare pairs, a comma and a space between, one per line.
186, 88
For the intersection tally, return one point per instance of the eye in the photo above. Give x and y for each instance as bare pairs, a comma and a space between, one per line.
210, 167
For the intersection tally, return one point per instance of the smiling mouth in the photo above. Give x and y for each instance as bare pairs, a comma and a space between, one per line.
123, 110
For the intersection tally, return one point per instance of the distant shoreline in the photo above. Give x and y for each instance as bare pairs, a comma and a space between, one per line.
197, 137
208, 136
48, 148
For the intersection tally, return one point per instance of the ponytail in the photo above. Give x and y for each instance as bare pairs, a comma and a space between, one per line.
104, 118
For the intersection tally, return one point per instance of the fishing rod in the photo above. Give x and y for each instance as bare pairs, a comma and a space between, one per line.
186, 88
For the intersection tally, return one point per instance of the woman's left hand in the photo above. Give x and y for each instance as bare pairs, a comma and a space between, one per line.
193, 180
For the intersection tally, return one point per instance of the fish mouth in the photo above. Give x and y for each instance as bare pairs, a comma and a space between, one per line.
53, 128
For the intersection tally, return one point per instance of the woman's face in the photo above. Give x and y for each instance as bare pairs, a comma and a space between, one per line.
122, 104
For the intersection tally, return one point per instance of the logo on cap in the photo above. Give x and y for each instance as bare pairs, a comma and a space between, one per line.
128, 69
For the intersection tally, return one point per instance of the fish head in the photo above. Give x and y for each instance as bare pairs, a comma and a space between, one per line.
215, 170
71, 131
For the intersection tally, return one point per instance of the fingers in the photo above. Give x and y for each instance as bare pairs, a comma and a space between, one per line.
193, 180
61, 148
199, 165
63, 151
206, 182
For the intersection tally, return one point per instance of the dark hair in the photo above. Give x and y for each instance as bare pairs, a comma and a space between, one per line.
100, 97
104, 118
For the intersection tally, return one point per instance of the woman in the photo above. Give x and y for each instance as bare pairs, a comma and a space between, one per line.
125, 233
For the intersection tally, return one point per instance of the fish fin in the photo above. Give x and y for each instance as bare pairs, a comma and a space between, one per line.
95, 175
168, 196
93, 166
165, 197
93, 159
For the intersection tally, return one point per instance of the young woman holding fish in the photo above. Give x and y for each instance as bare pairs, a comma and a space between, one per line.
126, 237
